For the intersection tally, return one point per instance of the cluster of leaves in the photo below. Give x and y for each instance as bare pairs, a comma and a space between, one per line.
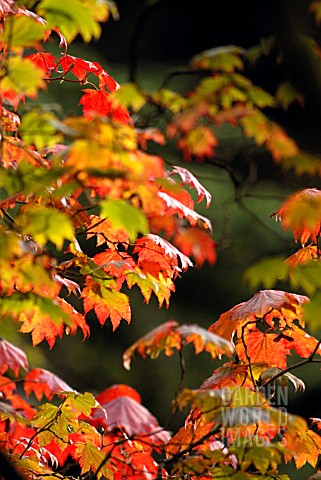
70, 186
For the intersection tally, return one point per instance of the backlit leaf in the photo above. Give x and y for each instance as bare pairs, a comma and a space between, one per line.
301, 213
270, 304
225, 59
131, 96
106, 303
73, 17
267, 272
171, 336
37, 128
22, 78
199, 142
175, 206
196, 243
124, 216
22, 32
266, 348
99, 102
41, 382
189, 179
91, 458
45, 224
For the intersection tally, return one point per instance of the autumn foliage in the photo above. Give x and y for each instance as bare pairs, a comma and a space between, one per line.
65, 182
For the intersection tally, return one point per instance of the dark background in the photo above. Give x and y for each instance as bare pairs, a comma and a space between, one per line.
144, 44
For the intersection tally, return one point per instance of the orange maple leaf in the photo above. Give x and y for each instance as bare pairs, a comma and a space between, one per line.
105, 232
301, 213
196, 243
266, 304
42, 327
269, 348
106, 303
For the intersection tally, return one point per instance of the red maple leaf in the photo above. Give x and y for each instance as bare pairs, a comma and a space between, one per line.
44, 61
42, 382
100, 103
118, 390
82, 68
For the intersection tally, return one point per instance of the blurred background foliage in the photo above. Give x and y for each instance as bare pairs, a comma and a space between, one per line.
149, 40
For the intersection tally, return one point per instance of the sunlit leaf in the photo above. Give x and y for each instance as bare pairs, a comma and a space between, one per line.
41, 382
124, 216
301, 213
45, 224
171, 335
106, 303
22, 32
189, 179
73, 17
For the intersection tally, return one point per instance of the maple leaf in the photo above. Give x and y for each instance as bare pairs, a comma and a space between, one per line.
75, 319
12, 358
301, 213
199, 142
267, 304
124, 412
115, 264
7, 386
42, 382
125, 216
81, 68
171, 336
270, 348
304, 448
118, 390
229, 375
106, 302
105, 232
162, 338
22, 31
73, 17
174, 206
45, 224
9, 120
42, 327
150, 280
196, 243
225, 59
189, 179
99, 102
23, 79
156, 255
304, 255
44, 61
90, 458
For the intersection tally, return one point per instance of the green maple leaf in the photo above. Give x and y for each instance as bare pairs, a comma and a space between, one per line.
124, 215
45, 224
72, 18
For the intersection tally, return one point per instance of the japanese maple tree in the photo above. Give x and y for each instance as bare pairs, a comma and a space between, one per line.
68, 181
